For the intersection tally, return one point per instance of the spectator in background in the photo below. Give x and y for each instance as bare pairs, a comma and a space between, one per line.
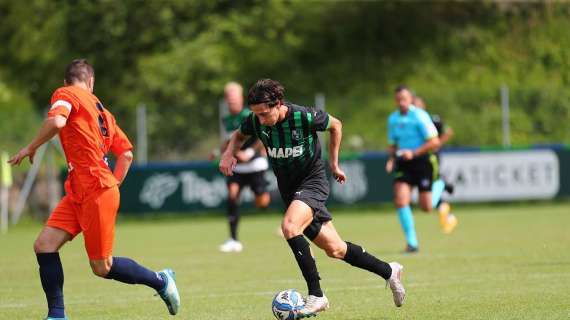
250, 169
447, 220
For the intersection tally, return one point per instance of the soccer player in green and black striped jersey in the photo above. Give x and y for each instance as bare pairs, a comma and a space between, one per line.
289, 134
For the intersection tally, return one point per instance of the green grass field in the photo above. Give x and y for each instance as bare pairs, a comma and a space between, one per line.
503, 262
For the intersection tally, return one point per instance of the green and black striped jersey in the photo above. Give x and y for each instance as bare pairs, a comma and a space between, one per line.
232, 122
292, 144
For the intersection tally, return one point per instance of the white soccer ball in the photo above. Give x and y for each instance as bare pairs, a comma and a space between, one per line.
286, 304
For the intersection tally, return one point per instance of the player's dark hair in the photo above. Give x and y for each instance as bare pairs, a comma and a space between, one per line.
401, 88
266, 91
79, 70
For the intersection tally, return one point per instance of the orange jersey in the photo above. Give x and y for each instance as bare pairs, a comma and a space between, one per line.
90, 133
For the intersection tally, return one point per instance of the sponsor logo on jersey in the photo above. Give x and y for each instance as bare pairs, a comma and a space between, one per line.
294, 152
295, 134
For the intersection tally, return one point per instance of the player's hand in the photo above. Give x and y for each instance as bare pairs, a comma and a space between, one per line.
390, 165
227, 164
406, 154
338, 174
21, 155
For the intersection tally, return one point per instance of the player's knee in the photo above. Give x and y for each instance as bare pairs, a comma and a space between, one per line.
262, 201
426, 207
42, 245
290, 229
400, 201
100, 268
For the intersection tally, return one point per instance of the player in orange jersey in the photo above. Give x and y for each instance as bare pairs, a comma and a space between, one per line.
88, 131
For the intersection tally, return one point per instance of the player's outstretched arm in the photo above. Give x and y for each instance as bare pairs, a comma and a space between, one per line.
444, 138
48, 130
335, 129
124, 161
228, 160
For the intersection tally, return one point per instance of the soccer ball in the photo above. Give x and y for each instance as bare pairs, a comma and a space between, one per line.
286, 304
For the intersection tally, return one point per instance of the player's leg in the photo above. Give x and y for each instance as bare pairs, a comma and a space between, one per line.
402, 198
262, 200
258, 185
431, 188
424, 200
437, 189
234, 191
46, 247
430, 171
97, 220
330, 241
298, 216
61, 227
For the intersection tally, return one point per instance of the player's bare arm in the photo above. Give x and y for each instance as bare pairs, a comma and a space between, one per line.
444, 138
123, 165
430, 145
335, 130
48, 130
391, 158
228, 160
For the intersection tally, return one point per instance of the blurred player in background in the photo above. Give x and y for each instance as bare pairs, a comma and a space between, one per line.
412, 139
250, 169
88, 131
447, 220
289, 133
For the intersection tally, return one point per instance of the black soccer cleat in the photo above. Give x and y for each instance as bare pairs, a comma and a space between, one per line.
449, 188
411, 249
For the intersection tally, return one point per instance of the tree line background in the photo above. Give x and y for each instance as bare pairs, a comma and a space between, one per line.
175, 57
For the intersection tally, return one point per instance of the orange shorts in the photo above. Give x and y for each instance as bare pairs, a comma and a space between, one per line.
95, 217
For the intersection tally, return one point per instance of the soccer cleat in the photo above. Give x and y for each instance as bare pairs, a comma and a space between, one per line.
51, 318
450, 188
313, 305
231, 245
395, 283
411, 249
450, 223
169, 293
443, 209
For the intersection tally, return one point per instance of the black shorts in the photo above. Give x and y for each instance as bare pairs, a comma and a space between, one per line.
255, 180
313, 190
420, 172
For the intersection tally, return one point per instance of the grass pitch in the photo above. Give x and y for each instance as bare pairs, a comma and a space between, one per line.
503, 262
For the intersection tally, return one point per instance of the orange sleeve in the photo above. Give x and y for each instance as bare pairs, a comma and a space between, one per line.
62, 104
120, 143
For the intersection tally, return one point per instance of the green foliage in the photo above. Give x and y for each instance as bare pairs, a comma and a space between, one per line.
17, 118
175, 56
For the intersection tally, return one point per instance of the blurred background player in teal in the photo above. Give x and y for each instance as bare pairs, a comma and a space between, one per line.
412, 139
447, 220
250, 169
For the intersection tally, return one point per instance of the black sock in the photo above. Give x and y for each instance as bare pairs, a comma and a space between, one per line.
233, 217
358, 257
302, 253
128, 271
51, 275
